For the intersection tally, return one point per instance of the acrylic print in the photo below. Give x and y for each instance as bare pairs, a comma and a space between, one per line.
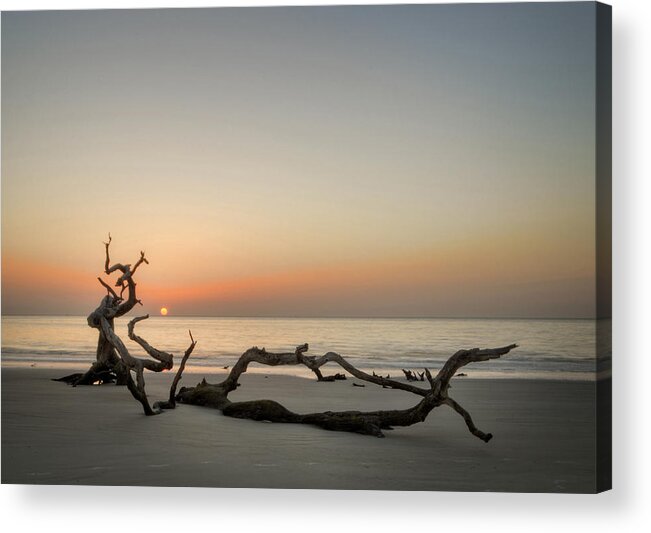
307, 247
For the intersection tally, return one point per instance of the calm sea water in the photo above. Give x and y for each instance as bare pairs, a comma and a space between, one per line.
562, 349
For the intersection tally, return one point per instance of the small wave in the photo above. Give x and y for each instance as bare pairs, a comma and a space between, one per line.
12, 350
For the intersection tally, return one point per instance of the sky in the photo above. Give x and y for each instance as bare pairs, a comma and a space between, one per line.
399, 161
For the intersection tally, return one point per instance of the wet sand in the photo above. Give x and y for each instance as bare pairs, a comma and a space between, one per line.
544, 437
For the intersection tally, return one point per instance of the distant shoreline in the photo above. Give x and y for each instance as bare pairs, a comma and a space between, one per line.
280, 317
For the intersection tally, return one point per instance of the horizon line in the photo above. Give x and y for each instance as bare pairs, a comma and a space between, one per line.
338, 317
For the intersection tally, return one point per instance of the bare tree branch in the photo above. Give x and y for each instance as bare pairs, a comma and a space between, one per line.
165, 358
171, 402
108, 259
179, 373
468, 419
109, 289
428, 374
260, 355
139, 262
464, 357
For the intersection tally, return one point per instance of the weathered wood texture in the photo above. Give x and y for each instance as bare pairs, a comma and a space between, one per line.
112, 306
113, 359
368, 423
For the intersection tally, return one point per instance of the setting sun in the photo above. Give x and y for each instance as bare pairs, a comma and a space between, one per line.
163, 311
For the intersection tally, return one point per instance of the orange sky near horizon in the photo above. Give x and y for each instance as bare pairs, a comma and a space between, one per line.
408, 284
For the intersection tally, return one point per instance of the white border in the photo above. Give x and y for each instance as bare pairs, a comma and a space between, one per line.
626, 508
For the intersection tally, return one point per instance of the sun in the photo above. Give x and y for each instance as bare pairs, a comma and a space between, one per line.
163, 311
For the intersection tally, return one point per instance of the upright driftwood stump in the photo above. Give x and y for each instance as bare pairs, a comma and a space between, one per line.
113, 362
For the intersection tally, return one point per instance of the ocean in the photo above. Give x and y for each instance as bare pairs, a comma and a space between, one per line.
548, 348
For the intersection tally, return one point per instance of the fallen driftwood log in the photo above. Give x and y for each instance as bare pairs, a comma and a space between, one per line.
215, 395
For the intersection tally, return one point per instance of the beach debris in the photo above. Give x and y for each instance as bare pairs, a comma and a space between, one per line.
225, 367
460, 375
101, 378
334, 377
413, 375
358, 385
409, 375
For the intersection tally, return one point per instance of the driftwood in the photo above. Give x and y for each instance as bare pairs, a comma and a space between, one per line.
413, 375
368, 423
101, 378
335, 377
112, 306
114, 362
171, 402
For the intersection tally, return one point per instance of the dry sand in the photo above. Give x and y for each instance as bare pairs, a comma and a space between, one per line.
544, 437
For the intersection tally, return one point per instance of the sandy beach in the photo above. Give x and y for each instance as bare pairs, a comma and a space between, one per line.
55, 434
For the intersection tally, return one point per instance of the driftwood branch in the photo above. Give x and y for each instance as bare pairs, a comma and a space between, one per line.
179, 373
162, 361
109, 289
113, 361
171, 402
125, 280
464, 357
468, 419
298, 357
166, 360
